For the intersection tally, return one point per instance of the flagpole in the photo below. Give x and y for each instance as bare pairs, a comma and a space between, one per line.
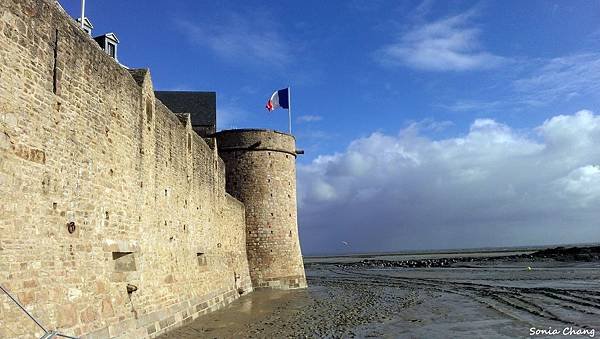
290, 108
82, 12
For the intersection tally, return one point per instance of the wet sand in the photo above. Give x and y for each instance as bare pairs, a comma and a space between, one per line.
488, 298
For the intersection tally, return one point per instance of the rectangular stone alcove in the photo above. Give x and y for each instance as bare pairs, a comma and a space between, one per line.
124, 261
202, 262
123, 254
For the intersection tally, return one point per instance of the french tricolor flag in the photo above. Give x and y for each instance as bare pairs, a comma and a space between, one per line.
280, 98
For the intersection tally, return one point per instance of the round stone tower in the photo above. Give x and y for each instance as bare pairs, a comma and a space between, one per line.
260, 167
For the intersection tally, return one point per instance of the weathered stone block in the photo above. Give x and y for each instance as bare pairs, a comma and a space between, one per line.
67, 316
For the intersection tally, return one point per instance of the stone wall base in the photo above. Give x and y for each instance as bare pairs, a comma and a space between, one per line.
154, 324
284, 283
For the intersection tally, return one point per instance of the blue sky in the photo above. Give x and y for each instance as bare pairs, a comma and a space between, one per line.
384, 82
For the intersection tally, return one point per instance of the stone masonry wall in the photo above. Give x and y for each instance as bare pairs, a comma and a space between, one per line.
102, 186
261, 172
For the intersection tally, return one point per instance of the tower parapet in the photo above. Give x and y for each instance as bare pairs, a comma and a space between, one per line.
261, 172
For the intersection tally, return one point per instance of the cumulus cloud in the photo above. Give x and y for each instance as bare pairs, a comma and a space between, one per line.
582, 185
493, 186
236, 38
449, 44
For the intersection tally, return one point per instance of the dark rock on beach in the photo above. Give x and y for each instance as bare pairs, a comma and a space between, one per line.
570, 253
564, 254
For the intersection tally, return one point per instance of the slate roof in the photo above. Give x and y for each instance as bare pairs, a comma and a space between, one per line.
202, 106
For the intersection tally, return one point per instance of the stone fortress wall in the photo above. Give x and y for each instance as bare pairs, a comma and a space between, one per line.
104, 188
261, 173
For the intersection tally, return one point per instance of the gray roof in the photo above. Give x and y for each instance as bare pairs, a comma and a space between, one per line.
202, 106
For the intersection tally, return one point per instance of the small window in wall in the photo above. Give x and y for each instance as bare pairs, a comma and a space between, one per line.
201, 259
124, 261
189, 142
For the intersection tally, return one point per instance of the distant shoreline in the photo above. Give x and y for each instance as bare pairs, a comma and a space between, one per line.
501, 249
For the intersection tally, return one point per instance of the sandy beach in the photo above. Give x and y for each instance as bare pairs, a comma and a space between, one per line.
484, 295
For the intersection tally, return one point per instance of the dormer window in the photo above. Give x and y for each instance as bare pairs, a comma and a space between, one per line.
111, 49
87, 25
109, 43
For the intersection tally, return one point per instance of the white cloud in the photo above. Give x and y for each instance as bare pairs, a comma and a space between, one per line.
430, 125
561, 79
473, 105
450, 44
238, 38
323, 191
309, 118
494, 186
582, 185
540, 83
